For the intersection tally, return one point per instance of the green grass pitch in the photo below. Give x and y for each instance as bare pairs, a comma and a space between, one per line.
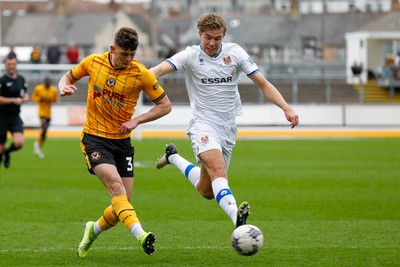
323, 202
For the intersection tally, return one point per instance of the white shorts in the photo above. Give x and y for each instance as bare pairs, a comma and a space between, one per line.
206, 136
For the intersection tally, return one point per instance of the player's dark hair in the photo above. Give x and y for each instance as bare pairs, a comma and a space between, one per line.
127, 38
211, 21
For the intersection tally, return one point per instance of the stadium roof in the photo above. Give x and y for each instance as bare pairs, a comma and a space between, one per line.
389, 22
40, 28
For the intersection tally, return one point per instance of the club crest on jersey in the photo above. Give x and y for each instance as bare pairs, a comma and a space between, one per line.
201, 61
205, 139
95, 156
110, 82
227, 60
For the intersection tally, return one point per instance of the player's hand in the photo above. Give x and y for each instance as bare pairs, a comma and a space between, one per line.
294, 121
292, 117
17, 101
128, 126
68, 90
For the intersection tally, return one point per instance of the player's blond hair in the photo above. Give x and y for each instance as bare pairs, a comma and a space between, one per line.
211, 21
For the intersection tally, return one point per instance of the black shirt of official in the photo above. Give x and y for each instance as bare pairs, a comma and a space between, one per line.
11, 88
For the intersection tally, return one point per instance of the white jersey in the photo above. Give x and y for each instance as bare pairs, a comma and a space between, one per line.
212, 82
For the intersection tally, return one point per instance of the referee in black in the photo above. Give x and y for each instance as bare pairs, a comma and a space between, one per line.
13, 93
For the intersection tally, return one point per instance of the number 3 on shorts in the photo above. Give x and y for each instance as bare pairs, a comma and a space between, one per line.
130, 165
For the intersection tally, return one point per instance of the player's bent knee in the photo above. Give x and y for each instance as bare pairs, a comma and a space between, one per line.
116, 188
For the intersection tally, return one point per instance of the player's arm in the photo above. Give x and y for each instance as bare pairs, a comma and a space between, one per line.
25, 98
162, 69
8, 100
14, 100
275, 97
66, 84
162, 108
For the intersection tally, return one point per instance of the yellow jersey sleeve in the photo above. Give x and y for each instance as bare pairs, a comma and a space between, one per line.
151, 87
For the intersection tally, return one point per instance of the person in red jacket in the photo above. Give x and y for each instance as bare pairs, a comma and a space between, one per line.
73, 53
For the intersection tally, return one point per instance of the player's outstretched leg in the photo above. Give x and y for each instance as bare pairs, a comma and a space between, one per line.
147, 241
242, 214
163, 160
37, 150
88, 238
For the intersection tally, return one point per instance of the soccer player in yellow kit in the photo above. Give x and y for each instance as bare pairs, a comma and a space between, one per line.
45, 95
116, 80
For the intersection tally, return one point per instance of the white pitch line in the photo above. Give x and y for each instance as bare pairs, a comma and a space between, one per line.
145, 164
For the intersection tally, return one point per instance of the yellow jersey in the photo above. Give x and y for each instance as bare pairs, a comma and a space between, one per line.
113, 93
45, 97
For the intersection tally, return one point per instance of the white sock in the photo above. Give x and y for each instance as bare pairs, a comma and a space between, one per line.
225, 198
191, 171
96, 228
136, 229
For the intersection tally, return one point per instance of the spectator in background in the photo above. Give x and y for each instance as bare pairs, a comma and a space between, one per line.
36, 54
397, 66
397, 59
53, 52
160, 53
386, 72
12, 53
72, 53
45, 95
171, 51
356, 69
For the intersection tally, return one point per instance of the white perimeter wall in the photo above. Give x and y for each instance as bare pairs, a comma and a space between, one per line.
254, 115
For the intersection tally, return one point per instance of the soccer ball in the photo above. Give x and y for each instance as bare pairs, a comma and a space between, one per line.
247, 239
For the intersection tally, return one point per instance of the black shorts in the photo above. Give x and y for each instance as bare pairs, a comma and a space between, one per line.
118, 152
45, 121
12, 124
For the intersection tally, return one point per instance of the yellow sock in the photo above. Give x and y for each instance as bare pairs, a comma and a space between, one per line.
124, 210
109, 219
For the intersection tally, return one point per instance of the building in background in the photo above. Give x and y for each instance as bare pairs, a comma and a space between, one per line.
272, 30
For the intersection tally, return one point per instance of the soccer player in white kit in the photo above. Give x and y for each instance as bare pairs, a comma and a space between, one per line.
213, 71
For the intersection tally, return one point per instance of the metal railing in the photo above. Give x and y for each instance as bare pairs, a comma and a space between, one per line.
276, 71
294, 75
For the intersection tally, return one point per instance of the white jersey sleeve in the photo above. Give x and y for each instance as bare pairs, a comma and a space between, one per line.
212, 82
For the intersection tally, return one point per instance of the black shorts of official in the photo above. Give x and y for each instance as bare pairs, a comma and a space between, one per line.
12, 124
118, 152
